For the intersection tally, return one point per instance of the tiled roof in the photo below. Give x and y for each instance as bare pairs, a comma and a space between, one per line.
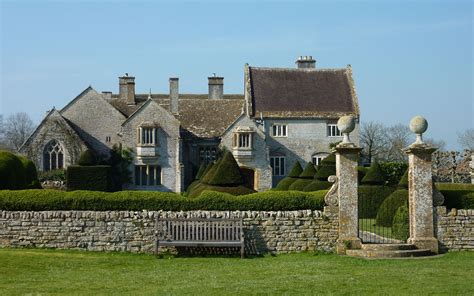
277, 92
198, 115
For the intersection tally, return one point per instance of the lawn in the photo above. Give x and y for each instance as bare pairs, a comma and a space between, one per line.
37, 271
368, 224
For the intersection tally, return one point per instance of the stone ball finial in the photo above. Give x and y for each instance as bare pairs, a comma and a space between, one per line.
418, 125
346, 125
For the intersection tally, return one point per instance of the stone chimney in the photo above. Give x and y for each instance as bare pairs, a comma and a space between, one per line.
127, 88
174, 94
216, 87
306, 62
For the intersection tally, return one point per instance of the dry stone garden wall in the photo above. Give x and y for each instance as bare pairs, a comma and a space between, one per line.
280, 232
455, 229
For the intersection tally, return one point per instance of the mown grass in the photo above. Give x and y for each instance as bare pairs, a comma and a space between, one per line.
36, 271
369, 225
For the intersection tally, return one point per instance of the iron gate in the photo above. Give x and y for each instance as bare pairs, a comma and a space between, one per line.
376, 220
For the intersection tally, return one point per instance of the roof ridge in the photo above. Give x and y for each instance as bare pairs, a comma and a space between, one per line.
302, 70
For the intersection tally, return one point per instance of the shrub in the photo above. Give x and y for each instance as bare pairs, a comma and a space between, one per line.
49, 200
296, 170
12, 172
361, 172
87, 158
209, 172
326, 168
200, 172
96, 178
31, 175
227, 172
300, 184
389, 206
234, 190
317, 185
401, 224
53, 175
308, 172
285, 183
459, 196
404, 180
393, 171
370, 199
374, 175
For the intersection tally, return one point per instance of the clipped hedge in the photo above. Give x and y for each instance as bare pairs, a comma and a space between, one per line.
326, 168
97, 178
361, 172
300, 184
285, 183
403, 183
401, 224
12, 172
296, 170
235, 190
370, 199
227, 172
31, 175
50, 200
393, 171
389, 207
374, 175
459, 196
317, 185
308, 172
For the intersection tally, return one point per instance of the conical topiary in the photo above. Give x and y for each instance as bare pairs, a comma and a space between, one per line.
200, 172
309, 171
12, 172
209, 172
374, 175
227, 173
326, 168
87, 158
296, 170
403, 180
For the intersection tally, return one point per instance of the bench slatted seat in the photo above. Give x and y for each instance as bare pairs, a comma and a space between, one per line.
199, 232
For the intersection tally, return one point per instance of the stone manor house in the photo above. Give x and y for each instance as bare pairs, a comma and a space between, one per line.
285, 115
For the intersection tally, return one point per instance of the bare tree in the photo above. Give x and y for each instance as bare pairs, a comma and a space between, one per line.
374, 140
399, 138
466, 139
439, 144
17, 128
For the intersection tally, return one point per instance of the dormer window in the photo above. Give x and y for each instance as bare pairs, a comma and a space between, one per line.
148, 135
242, 138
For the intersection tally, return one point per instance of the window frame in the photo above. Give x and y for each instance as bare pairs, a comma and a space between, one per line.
142, 172
147, 136
333, 131
281, 168
279, 130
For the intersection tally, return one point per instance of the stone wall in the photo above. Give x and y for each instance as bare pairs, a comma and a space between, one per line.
280, 232
455, 229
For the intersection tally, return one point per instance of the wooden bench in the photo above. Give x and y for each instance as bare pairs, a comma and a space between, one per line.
199, 232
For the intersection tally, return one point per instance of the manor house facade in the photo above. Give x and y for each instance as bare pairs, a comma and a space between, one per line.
285, 115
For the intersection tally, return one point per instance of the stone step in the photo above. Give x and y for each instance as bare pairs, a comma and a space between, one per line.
388, 247
389, 253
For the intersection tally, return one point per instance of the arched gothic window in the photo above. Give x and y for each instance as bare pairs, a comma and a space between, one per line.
53, 156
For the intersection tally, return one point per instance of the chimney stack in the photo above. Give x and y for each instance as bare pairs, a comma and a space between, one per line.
127, 88
306, 62
174, 95
216, 87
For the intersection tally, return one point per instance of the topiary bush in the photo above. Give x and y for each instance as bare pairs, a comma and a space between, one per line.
208, 173
296, 170
233, 190
31, 175
317, 185
227, 172
370, 199
97, 178
361, 172
308, 172
200, 172
87, 158
389, 206
326, 168
50, 200
403, 183
393, 171
300, 184
401, 224
285, 183
374, 175
12, 172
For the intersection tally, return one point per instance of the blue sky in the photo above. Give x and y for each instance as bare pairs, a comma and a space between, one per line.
408, 57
